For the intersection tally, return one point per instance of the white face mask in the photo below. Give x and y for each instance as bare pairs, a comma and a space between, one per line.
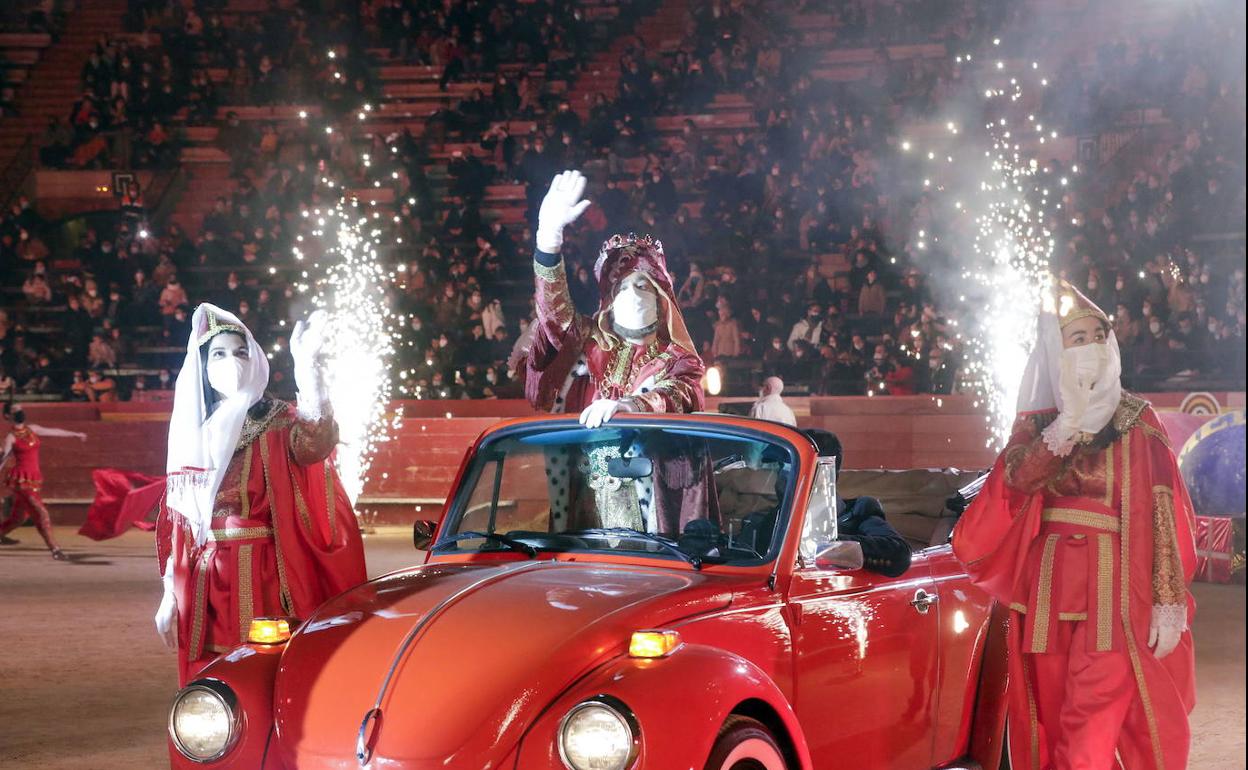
1088, 362
225, 375
635, 308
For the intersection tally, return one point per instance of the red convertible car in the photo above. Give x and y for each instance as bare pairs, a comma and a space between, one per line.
664, 592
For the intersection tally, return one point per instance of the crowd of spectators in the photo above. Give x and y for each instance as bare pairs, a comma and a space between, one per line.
793, 240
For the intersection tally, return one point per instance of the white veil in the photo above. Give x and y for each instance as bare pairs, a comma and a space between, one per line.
201, 445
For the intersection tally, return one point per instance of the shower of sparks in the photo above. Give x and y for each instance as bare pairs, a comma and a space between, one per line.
352, 288
1004, 220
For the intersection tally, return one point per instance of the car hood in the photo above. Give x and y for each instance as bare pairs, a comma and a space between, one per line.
490, 646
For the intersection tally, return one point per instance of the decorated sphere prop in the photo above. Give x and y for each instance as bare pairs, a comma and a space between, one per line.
1212, 464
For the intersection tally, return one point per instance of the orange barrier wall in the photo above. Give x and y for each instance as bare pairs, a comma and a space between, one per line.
413, 470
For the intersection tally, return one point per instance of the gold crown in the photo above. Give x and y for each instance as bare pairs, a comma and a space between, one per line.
618, 241
216, 326
1073, 305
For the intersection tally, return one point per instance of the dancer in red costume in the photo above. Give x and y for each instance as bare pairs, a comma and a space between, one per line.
633, 355
255, 522
25, 478
1084, 530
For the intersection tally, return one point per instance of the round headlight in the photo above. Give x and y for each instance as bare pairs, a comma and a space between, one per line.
204, 721
596, 736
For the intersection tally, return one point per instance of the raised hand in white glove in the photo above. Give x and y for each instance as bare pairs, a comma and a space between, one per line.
1165, 628
307, 348
1077, 378
602, 410
560, 208
167, 619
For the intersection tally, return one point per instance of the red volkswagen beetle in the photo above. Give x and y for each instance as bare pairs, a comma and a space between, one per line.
662, 592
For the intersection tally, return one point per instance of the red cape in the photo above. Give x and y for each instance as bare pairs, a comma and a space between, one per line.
122, 500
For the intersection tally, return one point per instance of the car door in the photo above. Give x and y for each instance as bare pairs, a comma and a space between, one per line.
963, 622
866, 653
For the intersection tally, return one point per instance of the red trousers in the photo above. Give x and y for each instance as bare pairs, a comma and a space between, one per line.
1083, 699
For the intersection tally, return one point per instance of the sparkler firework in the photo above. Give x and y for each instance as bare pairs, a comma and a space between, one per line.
1000, 201
352, 288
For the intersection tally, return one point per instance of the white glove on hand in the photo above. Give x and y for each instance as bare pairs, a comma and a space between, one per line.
602, 410
1165, 628
307, 348
560, 208
167, 619
1075, 387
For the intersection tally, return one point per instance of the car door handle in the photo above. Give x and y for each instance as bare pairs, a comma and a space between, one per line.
922, 601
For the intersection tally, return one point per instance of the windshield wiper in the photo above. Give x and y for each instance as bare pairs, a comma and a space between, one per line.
493, 537
636, 534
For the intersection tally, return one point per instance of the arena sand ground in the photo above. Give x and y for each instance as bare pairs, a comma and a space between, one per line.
85, 683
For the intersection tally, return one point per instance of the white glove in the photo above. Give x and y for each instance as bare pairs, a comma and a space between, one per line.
1166, 627
602, 410
307, 348
560, 208
1076, 391
167, 619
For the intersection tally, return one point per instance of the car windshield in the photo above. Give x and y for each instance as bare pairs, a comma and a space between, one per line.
698, 494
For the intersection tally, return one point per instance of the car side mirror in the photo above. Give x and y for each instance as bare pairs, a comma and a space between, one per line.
423, 531
840, 554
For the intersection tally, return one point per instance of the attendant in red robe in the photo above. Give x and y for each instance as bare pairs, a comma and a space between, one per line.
633, 355
25, 478
1084, 530
255, 522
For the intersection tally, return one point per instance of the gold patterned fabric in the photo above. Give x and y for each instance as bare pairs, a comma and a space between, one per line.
616, 500
1168, 585
231, 534
553, 293
1082, 518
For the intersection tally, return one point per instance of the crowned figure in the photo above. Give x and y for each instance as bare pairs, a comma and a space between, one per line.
633, 355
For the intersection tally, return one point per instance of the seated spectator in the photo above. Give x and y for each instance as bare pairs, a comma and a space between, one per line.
899, 379
36, 289
79, 388
808, 329
172, 297
101, 355
939, 374
99, 387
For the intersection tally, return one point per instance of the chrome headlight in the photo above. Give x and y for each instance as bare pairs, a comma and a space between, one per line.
204, 721
598, 734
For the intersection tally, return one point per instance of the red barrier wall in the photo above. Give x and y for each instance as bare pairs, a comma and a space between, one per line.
416, 466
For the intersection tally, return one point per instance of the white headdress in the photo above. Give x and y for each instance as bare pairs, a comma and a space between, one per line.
201, 444
1041, 385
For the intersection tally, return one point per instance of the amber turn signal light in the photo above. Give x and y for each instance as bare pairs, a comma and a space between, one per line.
653, 644
269, 631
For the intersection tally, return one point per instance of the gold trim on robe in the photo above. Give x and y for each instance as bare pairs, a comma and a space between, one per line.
1168, 585
1124, 583
246, 609
1081, 518
288, 604
229, 534
1044, 596
1104, 593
